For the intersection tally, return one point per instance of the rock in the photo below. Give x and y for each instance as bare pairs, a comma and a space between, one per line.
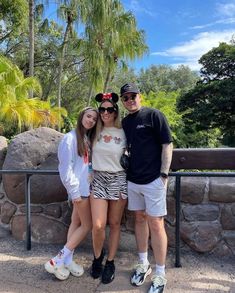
53, 210
3, 149
43, 230
4, 232
229, 238
228, 217
66, 211
34, 209
35, 149
171, 211
222, 189
201, 212
7, 211
222, 250
193, 189
201, 236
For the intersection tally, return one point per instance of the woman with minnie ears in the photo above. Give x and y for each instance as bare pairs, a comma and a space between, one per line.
74, 155
109, 186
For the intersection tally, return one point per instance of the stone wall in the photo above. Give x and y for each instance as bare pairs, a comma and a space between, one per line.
207, 218
207, 204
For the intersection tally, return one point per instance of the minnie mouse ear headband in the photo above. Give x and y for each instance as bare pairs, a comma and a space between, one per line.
101, 97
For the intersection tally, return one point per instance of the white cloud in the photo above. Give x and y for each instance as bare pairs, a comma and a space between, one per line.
189, 53
227, 9
225, 14
230, 20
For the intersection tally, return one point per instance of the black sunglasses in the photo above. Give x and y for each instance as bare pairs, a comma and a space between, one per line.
127, 98
102, 110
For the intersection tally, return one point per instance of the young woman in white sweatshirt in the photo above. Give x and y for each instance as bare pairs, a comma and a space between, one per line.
74, 154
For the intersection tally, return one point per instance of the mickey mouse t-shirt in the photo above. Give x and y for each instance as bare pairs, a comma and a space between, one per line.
107, 151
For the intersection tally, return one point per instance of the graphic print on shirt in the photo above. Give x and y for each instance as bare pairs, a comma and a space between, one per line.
109, 138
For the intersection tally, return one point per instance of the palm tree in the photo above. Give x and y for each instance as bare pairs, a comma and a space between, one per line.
124, 43
73, 11
112, 36
31, 37
15, 106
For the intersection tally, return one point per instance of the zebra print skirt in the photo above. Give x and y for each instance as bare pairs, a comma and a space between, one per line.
109, 186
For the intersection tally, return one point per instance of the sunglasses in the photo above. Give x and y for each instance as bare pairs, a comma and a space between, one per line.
127, 98
102, 110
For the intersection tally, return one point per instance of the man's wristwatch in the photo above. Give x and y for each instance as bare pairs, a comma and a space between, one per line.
164, 175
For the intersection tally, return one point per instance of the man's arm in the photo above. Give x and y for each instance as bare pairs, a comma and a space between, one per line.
166, 157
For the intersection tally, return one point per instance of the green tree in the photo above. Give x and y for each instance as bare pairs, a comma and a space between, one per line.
16, 109
112, 38
167, 78
13, 16
211, 103
166, 103
72, 12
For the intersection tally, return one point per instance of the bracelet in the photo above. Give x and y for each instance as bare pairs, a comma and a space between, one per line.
163, 175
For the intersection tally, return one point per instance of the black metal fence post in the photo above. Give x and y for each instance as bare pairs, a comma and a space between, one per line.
28, 211
177, 221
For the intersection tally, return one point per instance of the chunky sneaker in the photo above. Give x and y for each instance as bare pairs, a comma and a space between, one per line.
59, 271
158, 284
140, 274
108, 272
97, 267
75, 269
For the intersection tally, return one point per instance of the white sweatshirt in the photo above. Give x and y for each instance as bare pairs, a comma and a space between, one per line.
106, 153
72, 168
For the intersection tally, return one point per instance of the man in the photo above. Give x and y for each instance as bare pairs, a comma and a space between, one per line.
150, 150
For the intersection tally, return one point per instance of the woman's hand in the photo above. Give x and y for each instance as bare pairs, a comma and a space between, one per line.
77, 200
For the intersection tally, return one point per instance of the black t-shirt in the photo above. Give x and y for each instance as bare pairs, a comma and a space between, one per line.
146, 130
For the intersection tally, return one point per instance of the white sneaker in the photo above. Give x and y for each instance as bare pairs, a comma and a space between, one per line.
140, 274
60, 272
158, 284
75, 269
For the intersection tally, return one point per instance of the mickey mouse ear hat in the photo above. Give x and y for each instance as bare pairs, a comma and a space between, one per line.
107, 96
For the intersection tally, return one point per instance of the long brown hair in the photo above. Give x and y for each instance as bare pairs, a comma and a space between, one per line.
81, 132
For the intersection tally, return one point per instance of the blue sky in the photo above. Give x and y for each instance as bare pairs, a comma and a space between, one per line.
181, 31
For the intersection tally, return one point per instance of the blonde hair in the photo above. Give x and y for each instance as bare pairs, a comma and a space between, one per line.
100, 123
81, 132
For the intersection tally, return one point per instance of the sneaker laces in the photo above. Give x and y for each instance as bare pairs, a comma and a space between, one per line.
141, 268
158, 280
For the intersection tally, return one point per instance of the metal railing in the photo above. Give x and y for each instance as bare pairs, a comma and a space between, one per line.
178, 175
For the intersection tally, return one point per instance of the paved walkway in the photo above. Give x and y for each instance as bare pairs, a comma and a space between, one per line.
22, 271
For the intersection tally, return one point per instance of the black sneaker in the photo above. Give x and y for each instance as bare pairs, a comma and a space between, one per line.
109, 272
97, 267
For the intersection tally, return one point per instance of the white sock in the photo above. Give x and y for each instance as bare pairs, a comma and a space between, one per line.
59, 258
160, 270
69, 258
143, 258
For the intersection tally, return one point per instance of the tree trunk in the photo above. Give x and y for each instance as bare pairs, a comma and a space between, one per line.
31, 37
31, 42
89, 95
107, 79
61, 65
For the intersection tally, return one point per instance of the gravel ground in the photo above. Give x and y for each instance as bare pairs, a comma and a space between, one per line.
22, 271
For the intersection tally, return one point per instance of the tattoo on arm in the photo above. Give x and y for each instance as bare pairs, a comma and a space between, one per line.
167, 150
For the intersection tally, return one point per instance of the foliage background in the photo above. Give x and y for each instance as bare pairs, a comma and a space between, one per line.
88, 52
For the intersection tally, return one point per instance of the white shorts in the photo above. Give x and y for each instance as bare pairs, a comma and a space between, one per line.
150, 197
